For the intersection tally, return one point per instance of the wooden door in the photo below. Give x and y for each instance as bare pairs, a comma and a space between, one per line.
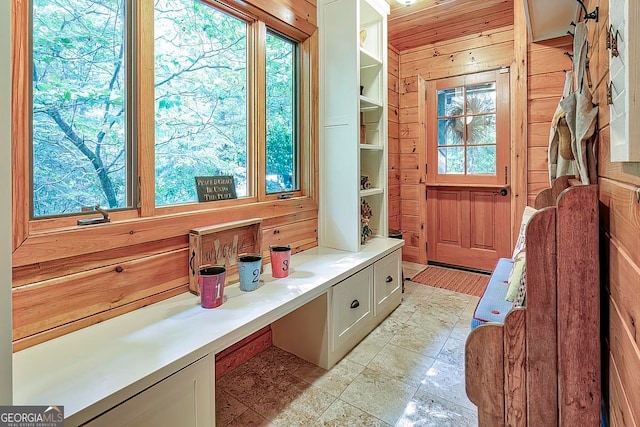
467, 147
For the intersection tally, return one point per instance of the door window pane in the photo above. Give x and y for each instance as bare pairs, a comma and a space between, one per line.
481, 129
451, 131
201, 98
451, 160
481, 160
450, 102
282, 141
481, 98
79, 106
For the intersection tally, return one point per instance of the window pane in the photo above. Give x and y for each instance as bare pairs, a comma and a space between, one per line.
201, 98
481, 160
281, 118
79, 108
450, 131
481, 98
451, 160
450, 102
481, 129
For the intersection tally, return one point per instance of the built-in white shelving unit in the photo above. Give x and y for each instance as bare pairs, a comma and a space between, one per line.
353, 119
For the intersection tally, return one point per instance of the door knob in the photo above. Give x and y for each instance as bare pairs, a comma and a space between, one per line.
504, 192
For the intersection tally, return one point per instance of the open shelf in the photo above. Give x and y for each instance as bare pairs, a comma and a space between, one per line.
369, 104
367, 59
371, 192
373, 147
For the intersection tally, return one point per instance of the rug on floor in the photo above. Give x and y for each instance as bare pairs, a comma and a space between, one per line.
454, 280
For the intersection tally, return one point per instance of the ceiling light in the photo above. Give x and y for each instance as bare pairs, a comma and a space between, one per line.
406, 2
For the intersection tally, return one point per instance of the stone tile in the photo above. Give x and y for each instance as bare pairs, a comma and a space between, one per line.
292, 403
333, 381
342, 414
429, 315
447, 381
402, 365
379, 395
386, 330
366, 350
417, 290
249, 419
228, 408
461, 330
411, 269
453, 352
427, 410
427, 340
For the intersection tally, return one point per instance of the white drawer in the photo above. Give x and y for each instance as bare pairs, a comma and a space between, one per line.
351, 302
387, 283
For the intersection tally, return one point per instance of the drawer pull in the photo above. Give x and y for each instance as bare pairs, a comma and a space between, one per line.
389, 279
355, 303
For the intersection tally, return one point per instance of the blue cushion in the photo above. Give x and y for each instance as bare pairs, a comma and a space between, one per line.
492, 307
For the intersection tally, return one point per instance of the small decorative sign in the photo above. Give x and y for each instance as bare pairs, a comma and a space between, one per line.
212, 188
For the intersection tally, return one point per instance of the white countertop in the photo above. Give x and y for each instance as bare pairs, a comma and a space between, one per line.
93, 369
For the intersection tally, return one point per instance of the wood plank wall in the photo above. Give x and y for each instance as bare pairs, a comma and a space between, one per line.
394, 138
620, 225
546, 72
67, 280
479, 51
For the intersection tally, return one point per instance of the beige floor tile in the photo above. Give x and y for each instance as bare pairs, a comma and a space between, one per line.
341, 414
417, 290
249, 418
426, 339
386, 330
447, 381
461, 330
400, 364
453, 352
379, 395
228, 408
293, 404
411, 269
366, 350
427, 410
333, 381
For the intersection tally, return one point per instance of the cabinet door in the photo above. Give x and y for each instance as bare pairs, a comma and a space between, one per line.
352, 311
184, 399
387, 283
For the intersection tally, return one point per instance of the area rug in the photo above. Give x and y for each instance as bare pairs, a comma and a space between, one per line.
454, 280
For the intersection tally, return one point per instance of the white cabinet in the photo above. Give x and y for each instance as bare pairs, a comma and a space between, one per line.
324, 330
185, 398
353, 119
387, 282
624, 72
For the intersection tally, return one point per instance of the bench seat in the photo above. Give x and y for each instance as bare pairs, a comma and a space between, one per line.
492, 306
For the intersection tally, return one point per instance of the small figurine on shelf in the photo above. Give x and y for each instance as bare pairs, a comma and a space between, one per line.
365, 184
365, 216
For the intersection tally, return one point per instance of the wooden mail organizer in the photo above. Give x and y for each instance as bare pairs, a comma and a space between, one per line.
541, 367
155, 366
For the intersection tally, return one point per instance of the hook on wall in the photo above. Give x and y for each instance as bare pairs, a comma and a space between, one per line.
569, 55
589, 15
570, 33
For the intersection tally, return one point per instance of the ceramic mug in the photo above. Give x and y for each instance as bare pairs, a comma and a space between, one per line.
280, 260
249, 266
211, 283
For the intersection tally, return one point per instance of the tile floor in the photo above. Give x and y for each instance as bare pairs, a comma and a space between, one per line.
409, 371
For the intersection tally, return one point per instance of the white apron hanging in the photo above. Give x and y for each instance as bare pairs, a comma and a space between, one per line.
581, 114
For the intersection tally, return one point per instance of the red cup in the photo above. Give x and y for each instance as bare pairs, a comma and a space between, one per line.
280, 261
211, 283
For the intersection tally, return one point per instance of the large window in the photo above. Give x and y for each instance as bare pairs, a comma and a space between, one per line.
91, 103
79, 112
201, 98
281, 115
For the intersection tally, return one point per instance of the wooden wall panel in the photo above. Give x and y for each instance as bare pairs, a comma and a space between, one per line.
547, 64
394, 163
463, 54
620, 220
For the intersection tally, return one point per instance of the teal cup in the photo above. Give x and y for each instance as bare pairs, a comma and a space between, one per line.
249, 267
